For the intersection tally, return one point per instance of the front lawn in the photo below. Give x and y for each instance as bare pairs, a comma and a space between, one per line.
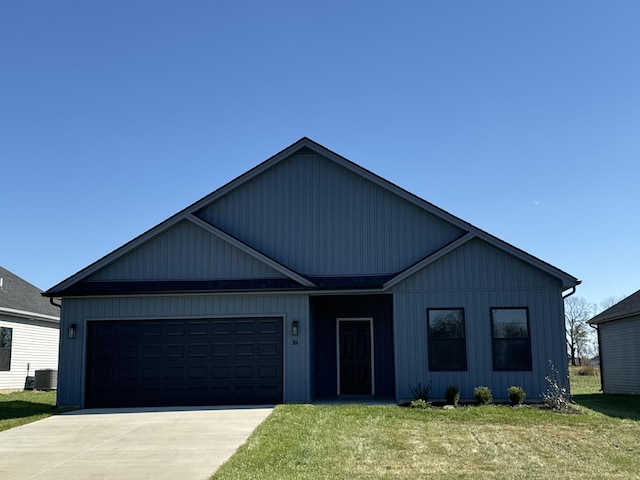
18, 408
497, 442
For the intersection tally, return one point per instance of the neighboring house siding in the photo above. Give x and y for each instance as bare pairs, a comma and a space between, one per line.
185, 252
34, 343
72, 375
477, 277
620, 355
319, 218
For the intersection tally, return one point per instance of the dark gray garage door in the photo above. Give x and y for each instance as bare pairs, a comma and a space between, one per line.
184, 362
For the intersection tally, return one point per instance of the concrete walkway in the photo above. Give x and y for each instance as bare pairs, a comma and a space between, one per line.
155, 443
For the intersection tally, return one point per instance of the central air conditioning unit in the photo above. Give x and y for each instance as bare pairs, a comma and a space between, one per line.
46, 379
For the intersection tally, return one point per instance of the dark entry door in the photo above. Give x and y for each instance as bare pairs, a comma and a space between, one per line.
354, 338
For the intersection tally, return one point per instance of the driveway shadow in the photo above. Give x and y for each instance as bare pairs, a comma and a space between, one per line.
618, 406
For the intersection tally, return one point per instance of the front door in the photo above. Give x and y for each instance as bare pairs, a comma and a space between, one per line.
355, 356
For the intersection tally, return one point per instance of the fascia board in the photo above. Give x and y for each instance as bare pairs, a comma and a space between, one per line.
621, 316
250, 174
249, 250
28, 315
110, 257
181, 215
567, 280
428, 260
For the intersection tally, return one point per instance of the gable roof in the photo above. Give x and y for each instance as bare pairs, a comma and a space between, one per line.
19, 298
624, 308
66, 286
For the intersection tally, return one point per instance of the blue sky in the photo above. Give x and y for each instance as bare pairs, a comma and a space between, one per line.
522, 118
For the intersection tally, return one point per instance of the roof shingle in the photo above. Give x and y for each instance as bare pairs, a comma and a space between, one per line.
18, 294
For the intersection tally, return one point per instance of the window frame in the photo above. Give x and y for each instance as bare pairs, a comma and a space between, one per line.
454, 341
526, 365
4, 348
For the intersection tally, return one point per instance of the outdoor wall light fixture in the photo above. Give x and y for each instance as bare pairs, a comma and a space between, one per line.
72, 331
294, 328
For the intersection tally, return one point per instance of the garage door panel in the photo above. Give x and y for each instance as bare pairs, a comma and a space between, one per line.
151, 329
244, 349
174, 329
198, 328
269, 327
269, 349
184, 362
221, 372
198, 350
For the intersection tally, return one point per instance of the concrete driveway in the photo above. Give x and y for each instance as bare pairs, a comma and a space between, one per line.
122, 444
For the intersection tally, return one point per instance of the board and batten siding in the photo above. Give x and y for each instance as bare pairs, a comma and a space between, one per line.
72, 374
185, 252
477, 277
620, 355
33, 342
319, 218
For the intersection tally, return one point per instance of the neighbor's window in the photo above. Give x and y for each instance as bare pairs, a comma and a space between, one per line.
511, 342
5, 348
447, 345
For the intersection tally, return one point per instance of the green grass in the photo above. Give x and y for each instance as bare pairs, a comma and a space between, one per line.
18, 408
584, 384
585, 390
495, 442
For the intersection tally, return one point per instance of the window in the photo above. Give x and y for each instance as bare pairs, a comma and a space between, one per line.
447, 345
5, 348
511, 342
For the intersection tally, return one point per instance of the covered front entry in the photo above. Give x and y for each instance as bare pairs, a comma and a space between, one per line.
352, 346
222, 361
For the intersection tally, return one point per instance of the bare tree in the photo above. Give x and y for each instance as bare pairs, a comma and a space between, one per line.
577, 311
607, 303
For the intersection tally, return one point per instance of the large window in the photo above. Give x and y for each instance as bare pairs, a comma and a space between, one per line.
511, 342
447, 345
5, 348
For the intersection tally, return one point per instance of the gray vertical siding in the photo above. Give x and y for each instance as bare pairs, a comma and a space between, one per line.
72, 375
477, 277
185, 252
319, 218
620, 355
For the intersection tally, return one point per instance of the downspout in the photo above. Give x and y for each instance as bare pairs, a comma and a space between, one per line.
59, 305
564, 297
600, 355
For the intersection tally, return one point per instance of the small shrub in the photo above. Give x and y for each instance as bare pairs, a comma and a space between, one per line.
421, 392
556, 397
452, 395
420, 403
516, 395
588, 371
483, 395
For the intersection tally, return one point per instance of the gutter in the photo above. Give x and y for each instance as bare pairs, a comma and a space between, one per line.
29, 315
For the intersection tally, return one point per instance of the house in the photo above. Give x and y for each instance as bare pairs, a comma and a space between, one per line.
618, 342
29, 330
308, 277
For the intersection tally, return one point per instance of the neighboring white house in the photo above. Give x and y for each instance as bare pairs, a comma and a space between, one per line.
619, 344
29, 331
